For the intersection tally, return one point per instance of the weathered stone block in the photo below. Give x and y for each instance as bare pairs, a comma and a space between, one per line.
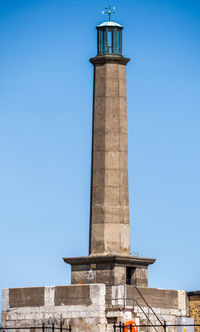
122, 88
111, 196
70, 295
26, 297
99, 106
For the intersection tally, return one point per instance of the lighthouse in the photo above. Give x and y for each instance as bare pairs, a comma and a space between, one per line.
109, 260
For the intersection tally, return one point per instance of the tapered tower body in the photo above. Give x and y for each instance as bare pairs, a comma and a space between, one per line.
109, 259
109, 219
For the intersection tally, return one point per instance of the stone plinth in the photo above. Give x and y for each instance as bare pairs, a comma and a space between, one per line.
111, 270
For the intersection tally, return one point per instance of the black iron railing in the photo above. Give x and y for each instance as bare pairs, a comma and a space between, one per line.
133, 328
43, 328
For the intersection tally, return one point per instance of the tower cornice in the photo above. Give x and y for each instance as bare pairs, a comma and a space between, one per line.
115, 259
101, 59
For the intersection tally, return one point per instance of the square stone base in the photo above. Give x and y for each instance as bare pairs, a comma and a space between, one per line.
110, 270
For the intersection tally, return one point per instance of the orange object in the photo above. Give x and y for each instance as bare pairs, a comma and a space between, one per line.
127, 326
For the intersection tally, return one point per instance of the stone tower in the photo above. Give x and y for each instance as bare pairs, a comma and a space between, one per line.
109, 219
109, 259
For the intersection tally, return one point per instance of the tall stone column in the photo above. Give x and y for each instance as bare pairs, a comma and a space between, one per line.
109, 259
109, 219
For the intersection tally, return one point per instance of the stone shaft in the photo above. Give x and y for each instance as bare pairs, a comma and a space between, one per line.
109, 217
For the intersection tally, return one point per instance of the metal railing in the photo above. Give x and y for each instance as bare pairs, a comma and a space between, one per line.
43, 328
149, 309
132, 328
135, 301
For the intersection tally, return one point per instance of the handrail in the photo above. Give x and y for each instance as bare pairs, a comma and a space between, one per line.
124, 298
146, 316
148, 305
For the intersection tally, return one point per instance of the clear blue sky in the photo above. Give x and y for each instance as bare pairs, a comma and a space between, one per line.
45, 136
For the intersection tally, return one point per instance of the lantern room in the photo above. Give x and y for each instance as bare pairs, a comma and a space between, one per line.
109, 38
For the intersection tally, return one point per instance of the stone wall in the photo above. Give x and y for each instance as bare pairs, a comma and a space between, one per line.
81, 306
93, 307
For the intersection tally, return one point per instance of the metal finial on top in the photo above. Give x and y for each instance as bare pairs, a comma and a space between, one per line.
109, 10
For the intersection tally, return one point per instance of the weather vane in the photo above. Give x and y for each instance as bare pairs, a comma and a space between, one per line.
109, 10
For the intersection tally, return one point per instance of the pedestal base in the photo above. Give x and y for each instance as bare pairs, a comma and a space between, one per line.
110, 270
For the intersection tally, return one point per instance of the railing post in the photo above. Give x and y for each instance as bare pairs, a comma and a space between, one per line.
61, 327
123, 327
130, 327
114, 326
43, 327
70, 328
120, 327
165, 326
53, 327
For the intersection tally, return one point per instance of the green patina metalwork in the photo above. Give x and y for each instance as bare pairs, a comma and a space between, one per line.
109, 10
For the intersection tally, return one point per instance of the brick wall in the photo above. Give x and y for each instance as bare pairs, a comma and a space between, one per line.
194, 307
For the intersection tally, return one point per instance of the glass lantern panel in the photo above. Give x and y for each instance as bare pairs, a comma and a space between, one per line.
118, 42
102, 42
115, 42
109, 42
